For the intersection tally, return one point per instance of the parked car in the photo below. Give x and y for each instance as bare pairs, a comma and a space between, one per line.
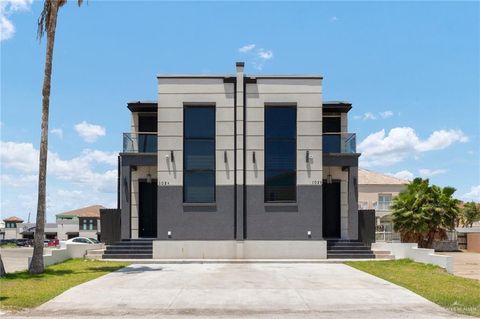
53, 243
23, 242
82, 240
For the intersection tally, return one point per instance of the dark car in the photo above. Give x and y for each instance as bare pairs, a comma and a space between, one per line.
23, 242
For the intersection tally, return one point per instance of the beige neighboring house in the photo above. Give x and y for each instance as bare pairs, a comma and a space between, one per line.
376, 191
83, 222
10, 230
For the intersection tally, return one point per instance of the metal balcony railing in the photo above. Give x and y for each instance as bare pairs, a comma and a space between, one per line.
339, 143
383, 206
140, 142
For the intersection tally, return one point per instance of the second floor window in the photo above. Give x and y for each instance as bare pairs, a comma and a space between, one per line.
88, 224
199, 154
384, 201
280, 153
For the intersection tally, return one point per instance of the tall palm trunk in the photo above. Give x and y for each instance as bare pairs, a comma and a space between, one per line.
2, 268
36, 265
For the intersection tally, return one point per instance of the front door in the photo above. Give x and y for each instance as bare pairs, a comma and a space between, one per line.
331, 209
147, 209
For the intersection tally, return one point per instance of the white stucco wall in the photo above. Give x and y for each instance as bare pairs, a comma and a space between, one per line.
411, 251
66, 252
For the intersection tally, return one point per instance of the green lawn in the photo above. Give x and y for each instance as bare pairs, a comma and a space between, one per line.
8, 245
21, 290
455, 293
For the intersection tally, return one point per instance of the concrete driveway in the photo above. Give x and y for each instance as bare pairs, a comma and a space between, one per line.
239, 290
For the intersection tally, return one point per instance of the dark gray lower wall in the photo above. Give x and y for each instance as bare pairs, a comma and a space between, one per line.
195, 222
217, 221
284, 221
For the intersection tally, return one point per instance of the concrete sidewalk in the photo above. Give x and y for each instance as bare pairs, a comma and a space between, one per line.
239, 291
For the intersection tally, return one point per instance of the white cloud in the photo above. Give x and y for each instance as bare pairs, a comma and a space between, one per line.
7, 8
247, 48
89, 178
442, 139
58, 132
19, 156
386, 114
425, 172
18, 180
89, 132
379, 149
265, 54
7, 30
371, 116
407, 175
80, 170
473, 194
258, 56
333, 19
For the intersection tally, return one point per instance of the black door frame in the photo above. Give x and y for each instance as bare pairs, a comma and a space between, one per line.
325, 218
152, 218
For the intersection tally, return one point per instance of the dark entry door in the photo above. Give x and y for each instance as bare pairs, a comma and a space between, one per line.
147, 209
331, 209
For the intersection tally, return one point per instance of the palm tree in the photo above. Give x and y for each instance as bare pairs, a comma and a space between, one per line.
47, 23
2, 268
470, 213
423, 213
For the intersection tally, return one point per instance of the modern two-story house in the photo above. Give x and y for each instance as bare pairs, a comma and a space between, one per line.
238, 166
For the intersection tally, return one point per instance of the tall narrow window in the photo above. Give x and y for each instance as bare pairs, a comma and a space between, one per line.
199, 154
280, 153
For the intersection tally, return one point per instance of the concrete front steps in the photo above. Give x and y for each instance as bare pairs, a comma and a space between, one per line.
130, 249
348, 249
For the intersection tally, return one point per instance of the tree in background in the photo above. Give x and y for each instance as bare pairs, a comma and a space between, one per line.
469, 214
423, 212
47, 23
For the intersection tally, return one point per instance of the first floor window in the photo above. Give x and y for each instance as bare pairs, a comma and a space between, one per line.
199, 154
280, 153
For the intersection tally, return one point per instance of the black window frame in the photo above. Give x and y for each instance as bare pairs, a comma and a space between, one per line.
282, 105
187, 106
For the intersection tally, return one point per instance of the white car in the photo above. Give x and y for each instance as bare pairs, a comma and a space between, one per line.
82, 240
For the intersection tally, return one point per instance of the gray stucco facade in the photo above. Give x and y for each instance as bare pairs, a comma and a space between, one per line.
240, 211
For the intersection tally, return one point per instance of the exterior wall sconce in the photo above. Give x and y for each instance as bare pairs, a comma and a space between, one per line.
169, 234
307, 156
149, 178
329, 179
172, 157
309, 234
225, 159
254, 160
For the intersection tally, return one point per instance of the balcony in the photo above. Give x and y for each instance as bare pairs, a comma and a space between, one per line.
340, 143
383, 206
140, 142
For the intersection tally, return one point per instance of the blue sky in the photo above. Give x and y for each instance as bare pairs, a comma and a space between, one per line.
410, 69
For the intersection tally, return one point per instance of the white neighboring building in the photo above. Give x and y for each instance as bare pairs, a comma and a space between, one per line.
83, 222
376, 191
